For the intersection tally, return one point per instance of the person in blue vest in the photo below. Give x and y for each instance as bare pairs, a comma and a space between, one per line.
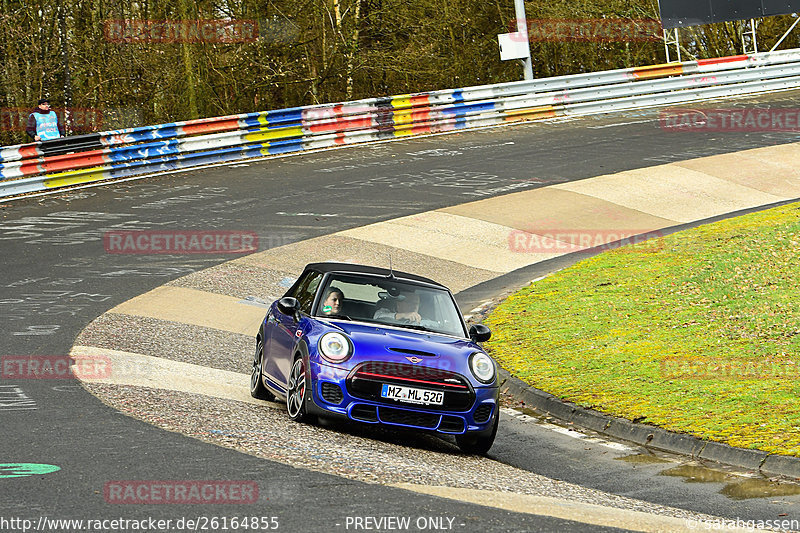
43, 124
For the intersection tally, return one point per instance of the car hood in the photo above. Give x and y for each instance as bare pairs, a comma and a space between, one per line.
379, 341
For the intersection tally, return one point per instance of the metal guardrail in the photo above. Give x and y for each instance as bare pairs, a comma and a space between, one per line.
138, 151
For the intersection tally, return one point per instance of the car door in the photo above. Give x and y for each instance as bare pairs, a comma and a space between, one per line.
284, 333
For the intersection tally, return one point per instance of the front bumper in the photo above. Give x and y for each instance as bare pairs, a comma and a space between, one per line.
330, 398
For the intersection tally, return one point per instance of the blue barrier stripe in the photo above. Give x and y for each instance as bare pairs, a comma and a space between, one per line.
286, 147
196, 155
462, 109
140, 129
202, 158
285, 115
149, 135
255, 128
142, 151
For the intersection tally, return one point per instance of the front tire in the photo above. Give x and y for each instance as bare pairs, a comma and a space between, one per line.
296, 393
478, 444
257, 388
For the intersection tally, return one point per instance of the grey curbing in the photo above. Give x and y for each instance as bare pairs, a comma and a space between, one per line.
723, 453
781, 465
645, 435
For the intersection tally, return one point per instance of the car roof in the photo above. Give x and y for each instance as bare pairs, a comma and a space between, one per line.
330, 266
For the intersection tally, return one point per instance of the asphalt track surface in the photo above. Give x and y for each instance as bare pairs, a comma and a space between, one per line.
57, 277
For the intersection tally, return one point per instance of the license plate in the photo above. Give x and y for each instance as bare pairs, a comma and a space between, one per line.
412, 395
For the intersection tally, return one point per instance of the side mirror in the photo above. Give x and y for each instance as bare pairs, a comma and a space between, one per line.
480, 333
288, 305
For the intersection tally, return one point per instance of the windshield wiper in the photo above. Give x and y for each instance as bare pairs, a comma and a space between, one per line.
338, 316
421, 328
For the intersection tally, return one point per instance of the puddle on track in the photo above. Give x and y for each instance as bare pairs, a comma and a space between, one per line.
737, 487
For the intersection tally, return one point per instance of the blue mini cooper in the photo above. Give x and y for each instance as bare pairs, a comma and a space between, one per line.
378, 347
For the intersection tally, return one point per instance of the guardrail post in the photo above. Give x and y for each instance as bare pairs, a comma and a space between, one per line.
522, 29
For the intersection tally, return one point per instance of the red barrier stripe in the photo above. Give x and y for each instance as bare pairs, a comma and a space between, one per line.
27, 151
30, 168
82, 160
77, 155
342, 124
211, 127
422, 114
420, 99
718, 60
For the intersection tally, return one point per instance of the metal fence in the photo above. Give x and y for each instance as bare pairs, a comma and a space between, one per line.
145, 150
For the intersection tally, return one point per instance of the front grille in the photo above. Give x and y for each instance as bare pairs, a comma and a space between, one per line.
366, 379
452, 424
365, 413
482, 413
409, 418
332, 393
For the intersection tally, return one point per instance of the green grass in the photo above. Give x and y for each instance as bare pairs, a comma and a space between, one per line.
697, 332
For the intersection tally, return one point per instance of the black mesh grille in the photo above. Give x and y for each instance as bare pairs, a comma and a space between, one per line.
409, 418
366, 380
452, 424
482, 413
366, 413
332, 393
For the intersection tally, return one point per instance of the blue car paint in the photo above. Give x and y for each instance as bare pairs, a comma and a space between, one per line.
284, 337
369, 344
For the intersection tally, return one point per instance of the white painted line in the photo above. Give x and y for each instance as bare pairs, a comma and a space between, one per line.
613, 445
569, 432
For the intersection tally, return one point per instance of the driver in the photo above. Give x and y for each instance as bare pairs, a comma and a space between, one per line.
332, 304
407, 312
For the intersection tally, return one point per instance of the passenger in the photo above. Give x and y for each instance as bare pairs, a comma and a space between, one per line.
334, 299
406, 312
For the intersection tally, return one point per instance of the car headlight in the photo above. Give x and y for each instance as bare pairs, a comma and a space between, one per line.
482, 367
334, 347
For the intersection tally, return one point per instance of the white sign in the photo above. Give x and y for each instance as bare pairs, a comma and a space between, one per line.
513, 46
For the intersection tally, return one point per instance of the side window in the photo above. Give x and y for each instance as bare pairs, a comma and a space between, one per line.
306, 290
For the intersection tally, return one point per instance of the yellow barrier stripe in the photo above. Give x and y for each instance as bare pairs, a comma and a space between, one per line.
402, 100
277, 133
75, 177
658, 71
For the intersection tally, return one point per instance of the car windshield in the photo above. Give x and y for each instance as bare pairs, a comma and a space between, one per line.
391, 302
